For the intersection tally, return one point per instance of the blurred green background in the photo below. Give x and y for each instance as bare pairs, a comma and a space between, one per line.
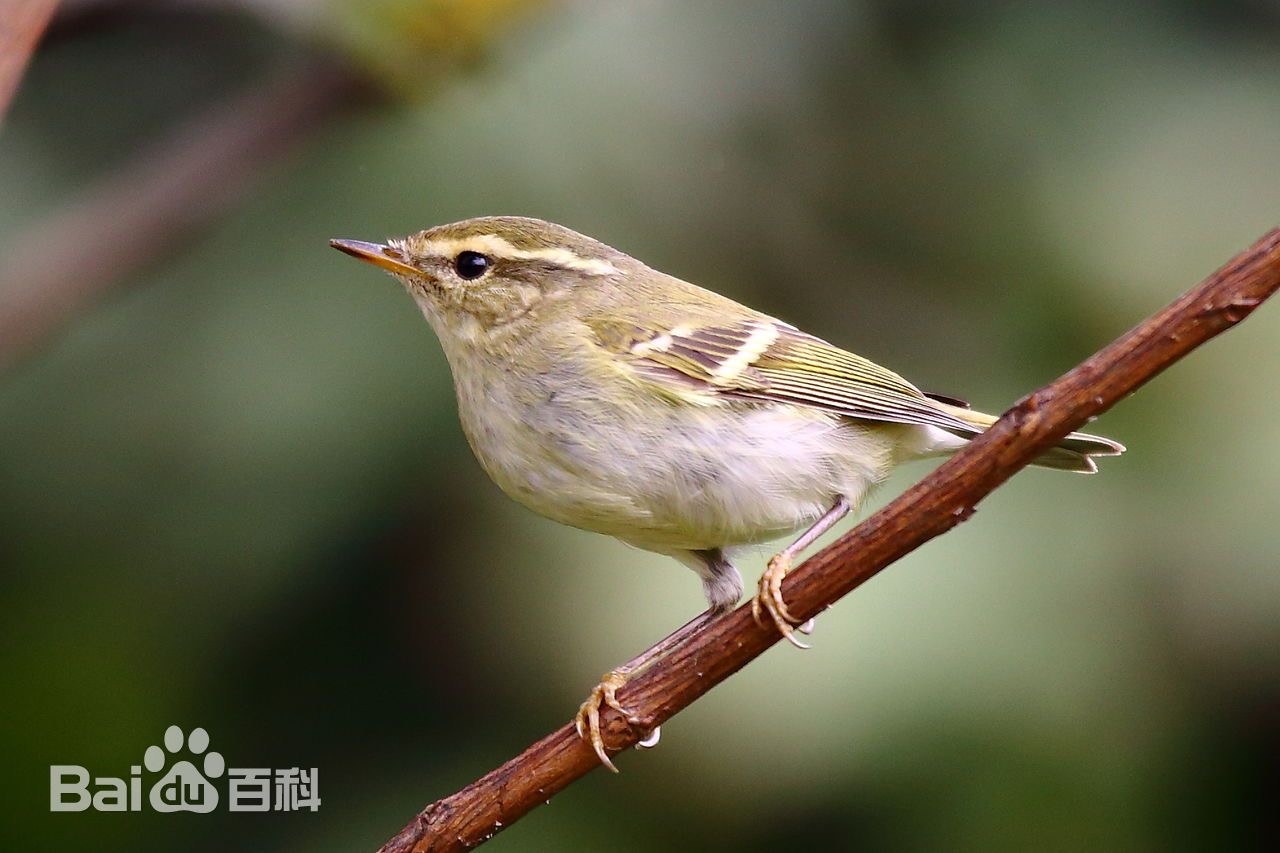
235, 495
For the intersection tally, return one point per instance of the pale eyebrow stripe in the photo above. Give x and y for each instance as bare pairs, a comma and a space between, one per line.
495, 246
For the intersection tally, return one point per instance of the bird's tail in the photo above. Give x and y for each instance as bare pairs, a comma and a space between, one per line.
1074, 453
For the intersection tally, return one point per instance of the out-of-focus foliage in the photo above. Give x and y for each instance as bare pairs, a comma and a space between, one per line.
236, 495
407, 45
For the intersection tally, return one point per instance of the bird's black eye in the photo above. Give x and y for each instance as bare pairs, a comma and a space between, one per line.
470, 265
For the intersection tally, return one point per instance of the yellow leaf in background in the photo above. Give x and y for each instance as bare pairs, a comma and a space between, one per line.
409, 45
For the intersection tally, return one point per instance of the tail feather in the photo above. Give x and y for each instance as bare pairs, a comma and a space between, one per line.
1075, 452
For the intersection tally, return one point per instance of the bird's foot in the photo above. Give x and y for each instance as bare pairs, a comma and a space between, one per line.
650, 740
769, 599
605, 694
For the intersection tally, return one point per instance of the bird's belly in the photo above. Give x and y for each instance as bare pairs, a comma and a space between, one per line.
705, 479
755, 475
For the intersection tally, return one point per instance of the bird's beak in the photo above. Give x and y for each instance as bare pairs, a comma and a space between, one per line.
387, 257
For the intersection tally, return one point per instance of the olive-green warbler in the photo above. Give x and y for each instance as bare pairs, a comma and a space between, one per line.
615, 398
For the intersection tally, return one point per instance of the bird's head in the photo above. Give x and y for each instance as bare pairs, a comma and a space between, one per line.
481, 275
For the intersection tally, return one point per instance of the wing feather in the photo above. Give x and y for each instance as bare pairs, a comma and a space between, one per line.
765, 360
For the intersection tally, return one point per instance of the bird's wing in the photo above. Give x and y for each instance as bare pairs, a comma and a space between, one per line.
763, 359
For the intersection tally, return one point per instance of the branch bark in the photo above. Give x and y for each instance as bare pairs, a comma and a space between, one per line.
933, 506
21, 26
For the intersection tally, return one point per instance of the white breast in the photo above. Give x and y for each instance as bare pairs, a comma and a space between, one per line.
703, 479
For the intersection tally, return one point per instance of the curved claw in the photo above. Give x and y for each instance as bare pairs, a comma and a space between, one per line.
587, 720
650, 740
769, 598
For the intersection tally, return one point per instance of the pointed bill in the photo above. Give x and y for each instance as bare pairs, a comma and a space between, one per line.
387, 257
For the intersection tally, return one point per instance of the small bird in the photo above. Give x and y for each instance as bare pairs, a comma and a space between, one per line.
612, 397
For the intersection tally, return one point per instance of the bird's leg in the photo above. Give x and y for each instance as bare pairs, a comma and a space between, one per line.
606, 692
769, 596
723, 587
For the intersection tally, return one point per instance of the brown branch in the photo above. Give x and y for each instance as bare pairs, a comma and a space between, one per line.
933, 506
21, 26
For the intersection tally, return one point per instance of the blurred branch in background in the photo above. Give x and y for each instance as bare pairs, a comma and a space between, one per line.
717, 649
21, 26
66, 263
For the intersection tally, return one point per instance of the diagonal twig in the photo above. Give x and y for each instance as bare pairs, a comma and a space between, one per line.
21, 26
933, 506
64, 263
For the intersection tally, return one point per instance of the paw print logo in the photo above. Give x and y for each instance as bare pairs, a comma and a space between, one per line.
184, 788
